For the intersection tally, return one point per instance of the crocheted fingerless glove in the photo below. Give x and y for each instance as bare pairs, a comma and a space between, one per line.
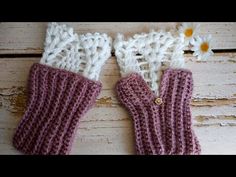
61, 89
161, 115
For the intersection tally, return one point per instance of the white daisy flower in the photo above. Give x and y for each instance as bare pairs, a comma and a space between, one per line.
202, 47
189, 30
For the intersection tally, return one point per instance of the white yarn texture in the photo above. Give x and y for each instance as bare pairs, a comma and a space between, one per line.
84, 54
145, 54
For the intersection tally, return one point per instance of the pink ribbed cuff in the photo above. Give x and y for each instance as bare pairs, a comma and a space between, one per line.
165, 128
57, 99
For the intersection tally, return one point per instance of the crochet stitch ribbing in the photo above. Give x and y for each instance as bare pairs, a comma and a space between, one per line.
62, 88
57, 100
164, 128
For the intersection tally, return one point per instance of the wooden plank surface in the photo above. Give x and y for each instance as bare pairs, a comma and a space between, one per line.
29, 37
107, 128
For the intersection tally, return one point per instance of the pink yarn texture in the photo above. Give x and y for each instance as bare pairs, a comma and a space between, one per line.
57, 99
164, 128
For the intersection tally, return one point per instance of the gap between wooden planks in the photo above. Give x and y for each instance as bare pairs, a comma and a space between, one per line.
208, 91
24, 38
108, 126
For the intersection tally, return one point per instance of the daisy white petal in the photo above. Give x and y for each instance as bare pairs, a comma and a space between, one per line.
202, 47
192, 41
189, 31
209, 37
195, 53
199, 57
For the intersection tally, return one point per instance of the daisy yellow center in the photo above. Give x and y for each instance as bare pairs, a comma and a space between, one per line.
204, 47
188, 32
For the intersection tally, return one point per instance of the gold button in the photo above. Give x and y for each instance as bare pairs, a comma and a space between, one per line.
158, 101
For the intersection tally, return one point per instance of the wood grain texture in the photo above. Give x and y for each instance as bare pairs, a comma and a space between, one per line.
107, 128
29, 37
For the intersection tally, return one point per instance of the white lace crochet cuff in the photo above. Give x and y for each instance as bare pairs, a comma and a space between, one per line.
84, 54
145, 53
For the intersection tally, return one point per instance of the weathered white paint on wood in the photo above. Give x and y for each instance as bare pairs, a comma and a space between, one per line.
29, 37
107, 128
214, 79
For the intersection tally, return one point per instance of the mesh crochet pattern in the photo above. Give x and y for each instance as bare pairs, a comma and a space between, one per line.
145, 53
61, 89
83, 54
156, 90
